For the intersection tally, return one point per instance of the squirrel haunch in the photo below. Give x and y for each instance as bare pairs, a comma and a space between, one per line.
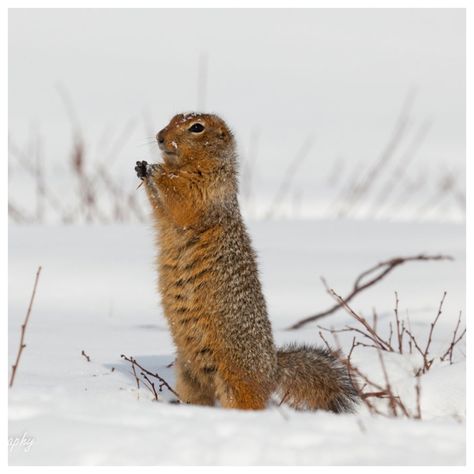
209, 284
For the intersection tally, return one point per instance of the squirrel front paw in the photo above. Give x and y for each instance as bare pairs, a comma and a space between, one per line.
142, 169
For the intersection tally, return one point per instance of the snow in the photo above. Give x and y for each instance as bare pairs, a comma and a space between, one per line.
96, 293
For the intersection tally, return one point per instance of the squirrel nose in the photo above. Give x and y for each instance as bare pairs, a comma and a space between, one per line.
160, 137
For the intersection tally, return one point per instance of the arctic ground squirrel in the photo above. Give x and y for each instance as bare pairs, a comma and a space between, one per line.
210, 288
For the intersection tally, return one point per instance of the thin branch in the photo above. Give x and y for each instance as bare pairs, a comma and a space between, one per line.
137, 381
151, 384
380, 270
399, 331
419, 349
85, 356
375, 318
391, 333
433, 324
385, 345
163, 382
418, 399
367, 389
23, 329
394, 400
454, 341
427, 362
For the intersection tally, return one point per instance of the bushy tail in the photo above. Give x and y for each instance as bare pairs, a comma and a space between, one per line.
311, 378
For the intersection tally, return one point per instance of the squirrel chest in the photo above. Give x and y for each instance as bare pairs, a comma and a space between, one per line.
188, 264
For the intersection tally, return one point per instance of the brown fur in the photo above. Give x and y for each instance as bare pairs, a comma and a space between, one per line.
208, 280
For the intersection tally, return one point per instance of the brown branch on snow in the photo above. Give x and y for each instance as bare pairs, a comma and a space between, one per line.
369, 332
418, 399
23, 329
393, 400
144, 372
150, 384
433, 324
137, 380
376, 273
400, 329
328, 347
370, 389
427, 361
426, 364
88, 195
355, 374
85, 356
376, 390
449, 352
379, 343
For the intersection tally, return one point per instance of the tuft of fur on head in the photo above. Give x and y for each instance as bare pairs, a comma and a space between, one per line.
312, 378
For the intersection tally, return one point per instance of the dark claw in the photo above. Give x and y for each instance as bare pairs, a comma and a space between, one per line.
141, 169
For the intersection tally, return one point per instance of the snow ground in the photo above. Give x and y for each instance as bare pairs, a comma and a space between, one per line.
96, 294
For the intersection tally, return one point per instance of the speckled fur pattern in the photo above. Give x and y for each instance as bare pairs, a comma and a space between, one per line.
209, 285
311, 378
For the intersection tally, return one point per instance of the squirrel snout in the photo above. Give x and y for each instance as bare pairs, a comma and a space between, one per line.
160, 137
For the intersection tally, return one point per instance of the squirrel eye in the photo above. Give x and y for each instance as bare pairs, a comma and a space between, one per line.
196, 128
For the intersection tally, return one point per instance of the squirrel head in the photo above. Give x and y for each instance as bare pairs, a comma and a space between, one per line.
197, 141
202, 148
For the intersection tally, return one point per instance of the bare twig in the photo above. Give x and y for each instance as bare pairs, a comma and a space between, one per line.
378, 272
399, 331
427, 361
418, 399
391, 333
394, 401
433, 324
454, 341
162, 381
354, 373
137, 381
385, 345
23, 329
372, 390
375, 318
376, 390
325, 341
426, 364
150, 384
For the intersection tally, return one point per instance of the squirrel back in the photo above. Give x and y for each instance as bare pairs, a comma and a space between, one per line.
209, 284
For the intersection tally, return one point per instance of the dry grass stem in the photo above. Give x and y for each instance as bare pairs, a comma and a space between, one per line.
22, 344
